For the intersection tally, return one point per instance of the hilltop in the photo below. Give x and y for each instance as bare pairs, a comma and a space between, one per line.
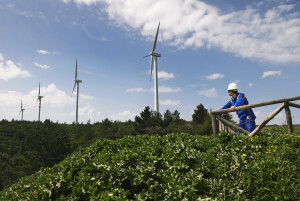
172, 167
25, 146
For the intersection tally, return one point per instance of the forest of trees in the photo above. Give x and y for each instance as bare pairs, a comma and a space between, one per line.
26, 146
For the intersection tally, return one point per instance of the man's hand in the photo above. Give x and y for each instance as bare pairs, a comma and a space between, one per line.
232, 108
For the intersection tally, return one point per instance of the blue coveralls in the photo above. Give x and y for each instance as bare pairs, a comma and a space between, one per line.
247, 117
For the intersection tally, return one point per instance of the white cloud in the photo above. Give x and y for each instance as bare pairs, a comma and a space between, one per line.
122, 116
41, 66
169, 102
80, 2
164, 75
9, 70
209, 93
250, 84
66, 1
215, 76
162, 89
265, 35
42, 16
53, 96
137, 90
56, 105
85, 110
271, 73
165, 89
45, 52
85, 97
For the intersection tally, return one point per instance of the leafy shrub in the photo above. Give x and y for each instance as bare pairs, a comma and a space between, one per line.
172, 167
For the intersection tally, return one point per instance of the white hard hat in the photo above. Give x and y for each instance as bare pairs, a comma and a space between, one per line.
232, 86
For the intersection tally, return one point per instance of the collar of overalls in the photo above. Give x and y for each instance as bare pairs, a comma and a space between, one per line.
236, 96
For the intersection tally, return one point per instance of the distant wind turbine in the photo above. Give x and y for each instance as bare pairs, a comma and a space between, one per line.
21, 111
76, 82
154, 57
39, 98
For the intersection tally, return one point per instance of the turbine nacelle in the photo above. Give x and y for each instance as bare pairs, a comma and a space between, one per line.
79, 81
154, 54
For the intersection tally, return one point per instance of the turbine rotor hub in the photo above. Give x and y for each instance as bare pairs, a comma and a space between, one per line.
154, 54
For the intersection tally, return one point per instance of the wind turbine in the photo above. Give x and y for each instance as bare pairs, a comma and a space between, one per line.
76, 82
154, 56
21, 111
39, 98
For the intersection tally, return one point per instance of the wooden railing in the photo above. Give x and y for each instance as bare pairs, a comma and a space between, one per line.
285, 105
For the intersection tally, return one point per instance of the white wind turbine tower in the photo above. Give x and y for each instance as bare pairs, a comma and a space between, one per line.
154, 56
76, 82
21, 111
39, 98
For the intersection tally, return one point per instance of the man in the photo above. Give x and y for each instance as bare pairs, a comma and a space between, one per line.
247, 117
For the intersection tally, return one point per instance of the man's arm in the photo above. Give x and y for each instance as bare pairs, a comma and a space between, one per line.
240, 100
227, 105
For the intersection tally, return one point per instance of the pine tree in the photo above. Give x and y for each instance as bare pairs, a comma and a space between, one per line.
200, 114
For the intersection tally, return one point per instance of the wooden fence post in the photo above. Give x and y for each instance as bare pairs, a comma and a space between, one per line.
288, 117
214, 125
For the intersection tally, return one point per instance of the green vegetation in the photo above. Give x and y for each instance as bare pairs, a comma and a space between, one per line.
117, 161
25, 147
172, 167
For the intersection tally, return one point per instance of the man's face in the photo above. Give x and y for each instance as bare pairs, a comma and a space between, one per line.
230, 93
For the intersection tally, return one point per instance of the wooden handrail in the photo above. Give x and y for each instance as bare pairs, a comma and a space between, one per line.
294, 105
285, 105
244, 107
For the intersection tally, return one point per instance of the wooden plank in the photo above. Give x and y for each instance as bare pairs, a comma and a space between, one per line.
230, 124
269, 118
257, 105
294, 105
214, 125
288, 117
230, 130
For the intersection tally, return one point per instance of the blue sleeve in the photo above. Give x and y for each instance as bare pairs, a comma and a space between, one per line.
226, 106
240, 100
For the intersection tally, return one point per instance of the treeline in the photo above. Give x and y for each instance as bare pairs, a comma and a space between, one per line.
25, 146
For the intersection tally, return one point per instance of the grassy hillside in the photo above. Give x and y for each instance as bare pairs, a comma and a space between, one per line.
172, 167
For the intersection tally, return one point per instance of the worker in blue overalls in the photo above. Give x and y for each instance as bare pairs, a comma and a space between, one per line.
247, 117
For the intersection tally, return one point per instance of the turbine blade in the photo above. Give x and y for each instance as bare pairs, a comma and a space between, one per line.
147, 55
39, 89
36, 100
151, 67
155, 41
73, 87
76, 71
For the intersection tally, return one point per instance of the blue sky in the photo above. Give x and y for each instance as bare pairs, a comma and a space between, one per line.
205, 45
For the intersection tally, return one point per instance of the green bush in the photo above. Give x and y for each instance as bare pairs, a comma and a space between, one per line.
172, 167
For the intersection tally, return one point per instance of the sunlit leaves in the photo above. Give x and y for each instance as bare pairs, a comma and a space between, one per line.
172, 167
